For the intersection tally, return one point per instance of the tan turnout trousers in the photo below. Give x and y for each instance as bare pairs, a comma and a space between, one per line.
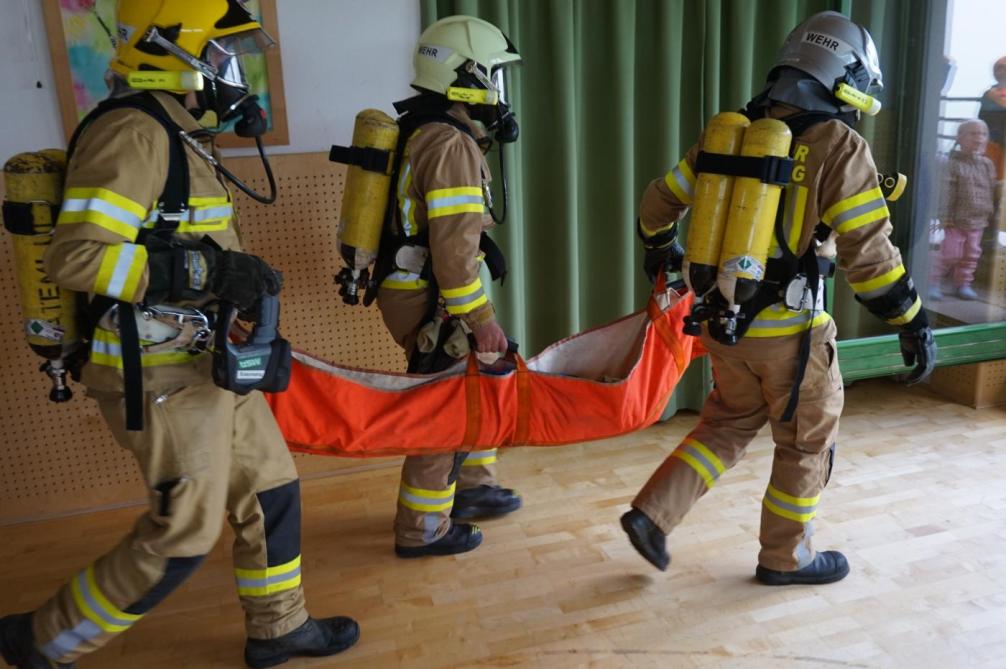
753, 383
426, 494
203, 451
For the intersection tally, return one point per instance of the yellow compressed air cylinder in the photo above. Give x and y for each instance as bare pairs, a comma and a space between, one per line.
49, 312
723, 135
366, 193
751, 221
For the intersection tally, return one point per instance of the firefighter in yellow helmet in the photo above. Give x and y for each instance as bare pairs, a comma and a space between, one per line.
147, 225
431, 272
777, 362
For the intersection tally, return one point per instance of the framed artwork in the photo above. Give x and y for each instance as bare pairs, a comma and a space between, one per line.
82, 37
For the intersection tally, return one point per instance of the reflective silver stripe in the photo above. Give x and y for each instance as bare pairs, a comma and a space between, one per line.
106, 347
270, 580
102, 207
225, 211
683, 182
117, 284
85, 592
422, 499
67, 641
708, 466
481, 454
464, 299
453, 200
788, 506
857, 211
800, 318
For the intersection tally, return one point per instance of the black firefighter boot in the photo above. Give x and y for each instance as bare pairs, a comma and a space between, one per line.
17, 645
315, 638
827, 567
646, 538
460, 538
485, 501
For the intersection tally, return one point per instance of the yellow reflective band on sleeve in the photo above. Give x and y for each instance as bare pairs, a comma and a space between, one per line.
460, 200
907, 317
681, 181
799, 509
464, 299
104, 208
94, 606
207, 214
857, 211
870, 287
268, 581
120, 271
403, 280
479, 458
426, 501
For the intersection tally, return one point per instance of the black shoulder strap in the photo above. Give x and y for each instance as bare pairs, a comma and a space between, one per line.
174, 198
171, 204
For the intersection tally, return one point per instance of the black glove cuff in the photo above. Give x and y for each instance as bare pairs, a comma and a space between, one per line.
658, 241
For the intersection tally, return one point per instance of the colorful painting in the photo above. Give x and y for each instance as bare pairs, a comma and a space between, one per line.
88, 37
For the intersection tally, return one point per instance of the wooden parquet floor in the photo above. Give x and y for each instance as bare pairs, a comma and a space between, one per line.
917, 502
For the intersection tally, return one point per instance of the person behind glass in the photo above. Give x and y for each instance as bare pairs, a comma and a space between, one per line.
993, 112
967, 205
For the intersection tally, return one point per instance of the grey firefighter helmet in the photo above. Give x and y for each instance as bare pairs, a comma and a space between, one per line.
820, 54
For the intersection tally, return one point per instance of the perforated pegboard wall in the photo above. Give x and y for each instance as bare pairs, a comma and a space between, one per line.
61, 458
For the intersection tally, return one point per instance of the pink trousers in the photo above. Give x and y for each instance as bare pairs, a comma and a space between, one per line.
959, 255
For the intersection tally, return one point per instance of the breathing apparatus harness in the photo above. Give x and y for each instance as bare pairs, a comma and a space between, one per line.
793, 280
414, 113
260, 363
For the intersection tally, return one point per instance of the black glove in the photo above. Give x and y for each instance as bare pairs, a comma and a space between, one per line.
180, 271
242, 279
918, 347
660, 250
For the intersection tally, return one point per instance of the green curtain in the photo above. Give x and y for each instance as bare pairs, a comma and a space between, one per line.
611, 93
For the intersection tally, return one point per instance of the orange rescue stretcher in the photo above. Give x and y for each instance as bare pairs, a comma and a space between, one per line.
604, 382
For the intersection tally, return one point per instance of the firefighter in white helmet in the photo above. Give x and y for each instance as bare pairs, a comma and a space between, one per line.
147, 220
780, 365
431, 272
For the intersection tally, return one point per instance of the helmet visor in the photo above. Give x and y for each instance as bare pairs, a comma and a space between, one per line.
499, 82
227, 55
873, 66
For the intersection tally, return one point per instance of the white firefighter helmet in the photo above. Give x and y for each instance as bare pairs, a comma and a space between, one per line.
462, 57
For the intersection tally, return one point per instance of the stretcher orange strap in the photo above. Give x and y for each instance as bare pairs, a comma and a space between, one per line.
604, 382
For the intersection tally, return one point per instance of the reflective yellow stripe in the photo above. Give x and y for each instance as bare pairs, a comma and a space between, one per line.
908, 315
209, 201
268, 581
851, 203
653, 233
438, 193
411, 284
106, 350
783, 330
694, 464
426, 501
472, 287
798, 501
93, 604
458, 310
109, 196
681, 181
709, 455
432, 494
872, 216
105, 221
786, 513
479, 458
120, 271
876, 282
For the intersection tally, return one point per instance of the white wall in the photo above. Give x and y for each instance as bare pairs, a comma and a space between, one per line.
339, 56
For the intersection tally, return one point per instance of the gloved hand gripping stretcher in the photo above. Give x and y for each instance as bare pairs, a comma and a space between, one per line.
608, 381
